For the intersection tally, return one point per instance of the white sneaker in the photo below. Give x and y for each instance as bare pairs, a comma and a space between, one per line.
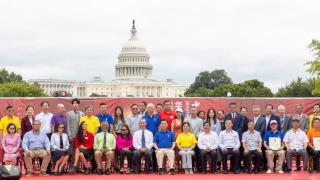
280, 172
269, 171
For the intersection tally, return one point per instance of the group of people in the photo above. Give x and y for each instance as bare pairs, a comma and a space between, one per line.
202, 142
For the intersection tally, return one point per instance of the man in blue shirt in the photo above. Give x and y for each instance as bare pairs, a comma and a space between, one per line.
152, 119
104, 116
273, 142
36, 144
164, 143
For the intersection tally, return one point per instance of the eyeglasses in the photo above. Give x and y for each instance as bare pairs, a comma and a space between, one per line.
61, 127
123, 129
134, 108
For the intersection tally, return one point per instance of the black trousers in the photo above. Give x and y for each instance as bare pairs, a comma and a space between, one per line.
137, 154
235, 155
124, 154
316, 155
204, 155
256, 158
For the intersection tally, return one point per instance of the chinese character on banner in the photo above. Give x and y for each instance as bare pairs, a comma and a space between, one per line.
178, 104
187, 108
195, 104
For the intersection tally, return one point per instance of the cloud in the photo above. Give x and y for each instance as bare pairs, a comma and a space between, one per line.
79, 39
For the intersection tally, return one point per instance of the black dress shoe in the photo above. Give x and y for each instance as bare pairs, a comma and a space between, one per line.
99, 172
256, 171
146, 172
107, 172
236, 172
225, 171
87, 171
171, 172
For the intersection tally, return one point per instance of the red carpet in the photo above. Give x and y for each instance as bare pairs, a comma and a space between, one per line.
292, 176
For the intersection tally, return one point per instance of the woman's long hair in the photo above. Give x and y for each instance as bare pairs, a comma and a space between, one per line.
214, 117
116, 118
80, 132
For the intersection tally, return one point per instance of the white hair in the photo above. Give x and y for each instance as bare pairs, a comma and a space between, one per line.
281, 106
150, 105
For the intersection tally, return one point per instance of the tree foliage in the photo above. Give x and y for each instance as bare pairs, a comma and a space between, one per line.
297, 88
314, 66
20, 89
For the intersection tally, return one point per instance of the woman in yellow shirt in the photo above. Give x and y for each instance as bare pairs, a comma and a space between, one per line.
186, 142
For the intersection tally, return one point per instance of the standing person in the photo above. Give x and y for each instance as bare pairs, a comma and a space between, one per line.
259, 120
202, 115
220, 117
304, 119
133, 120
83, 145
244, 114
45, 118
159, 108
152, 119
104, 145
314, 134
119, 120
142, 143
195, 127
252, 143
164, 143
270, 116
316, 114
104, 116
142, 108
208, 145
92, 121
229, 144
236, 118
214, 122
27, 121
58, 118
285, 120
296, 142
276, 137
10, 145
177, 123
6, 120
167, 113
125, 148
36, 144
60, 149
73, 120
186, 142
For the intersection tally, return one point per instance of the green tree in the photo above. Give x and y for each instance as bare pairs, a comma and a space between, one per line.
314, 66
297, 88
20, 89
209, 80
5, 77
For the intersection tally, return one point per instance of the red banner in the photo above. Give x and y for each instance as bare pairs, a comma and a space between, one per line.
185, 103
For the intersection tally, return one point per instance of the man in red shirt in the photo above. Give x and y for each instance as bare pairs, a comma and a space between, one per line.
167, 113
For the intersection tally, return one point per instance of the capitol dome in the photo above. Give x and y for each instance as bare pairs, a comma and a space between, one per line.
133, 61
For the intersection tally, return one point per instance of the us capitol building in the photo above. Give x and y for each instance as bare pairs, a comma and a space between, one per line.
133, 74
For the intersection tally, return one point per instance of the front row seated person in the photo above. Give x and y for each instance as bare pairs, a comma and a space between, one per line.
36, 144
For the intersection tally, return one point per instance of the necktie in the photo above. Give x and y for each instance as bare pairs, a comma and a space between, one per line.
61, 142
105, 140
143, 140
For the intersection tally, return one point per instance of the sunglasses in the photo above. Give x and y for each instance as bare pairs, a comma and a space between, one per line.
61, 127
134, 108
12, 128
11, 110
124, 129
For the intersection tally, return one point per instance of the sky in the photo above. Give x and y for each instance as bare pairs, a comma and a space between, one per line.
77, 40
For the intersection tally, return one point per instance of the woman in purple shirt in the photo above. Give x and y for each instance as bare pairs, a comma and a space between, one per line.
27, 121
125, 147
10, 144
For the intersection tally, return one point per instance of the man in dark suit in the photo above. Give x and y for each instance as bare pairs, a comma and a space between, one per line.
285, 120
259, 120
244, 113
270, 116
236, 118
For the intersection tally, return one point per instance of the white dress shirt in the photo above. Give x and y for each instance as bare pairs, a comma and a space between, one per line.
137, 137
296, 139
45, 120
229, 139
55, 141
208, 140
